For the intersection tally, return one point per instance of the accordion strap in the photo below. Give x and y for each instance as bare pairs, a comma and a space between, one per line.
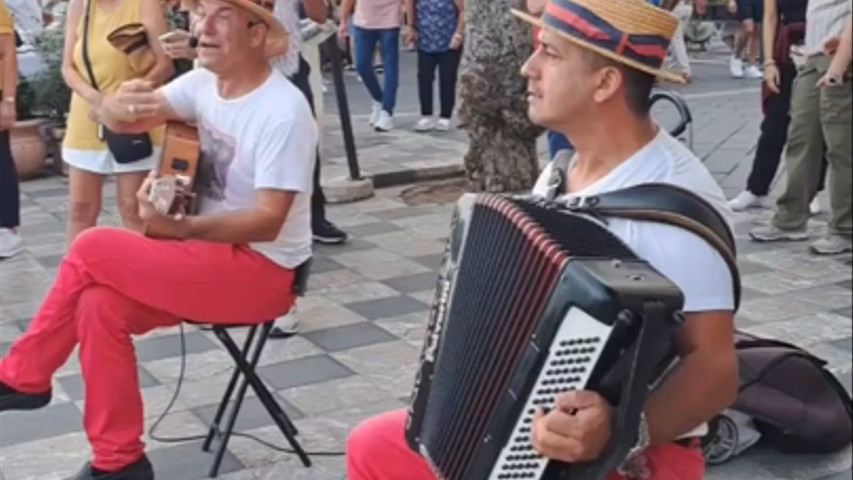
656, 202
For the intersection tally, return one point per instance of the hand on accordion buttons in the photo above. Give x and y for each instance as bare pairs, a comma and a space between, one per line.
577, 430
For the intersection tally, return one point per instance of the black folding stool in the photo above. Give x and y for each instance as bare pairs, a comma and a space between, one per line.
246, 361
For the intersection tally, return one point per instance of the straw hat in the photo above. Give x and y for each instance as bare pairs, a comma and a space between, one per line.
263, 9
632, 32
133, 41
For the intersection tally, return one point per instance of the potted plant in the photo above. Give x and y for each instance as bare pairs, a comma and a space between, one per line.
43, 103
28, 149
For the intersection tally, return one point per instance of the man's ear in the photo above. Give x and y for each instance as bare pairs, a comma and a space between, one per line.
609, 81
259, 35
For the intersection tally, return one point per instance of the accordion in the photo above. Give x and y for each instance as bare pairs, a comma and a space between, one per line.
534, 300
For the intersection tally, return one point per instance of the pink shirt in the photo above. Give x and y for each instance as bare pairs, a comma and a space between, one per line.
376, 14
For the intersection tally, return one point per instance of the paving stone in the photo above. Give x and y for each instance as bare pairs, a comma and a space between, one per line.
304, 371
349, 336
51, 421
188, 462
73, 384
252, 414
386, 307
170, 346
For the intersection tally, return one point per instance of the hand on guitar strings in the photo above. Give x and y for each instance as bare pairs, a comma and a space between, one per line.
159, 225
577, 430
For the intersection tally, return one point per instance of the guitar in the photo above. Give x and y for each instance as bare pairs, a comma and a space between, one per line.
172, 190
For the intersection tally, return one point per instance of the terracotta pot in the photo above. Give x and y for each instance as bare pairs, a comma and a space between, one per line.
28, 148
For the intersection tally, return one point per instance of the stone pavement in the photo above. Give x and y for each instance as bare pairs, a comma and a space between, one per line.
365, 315
363, 322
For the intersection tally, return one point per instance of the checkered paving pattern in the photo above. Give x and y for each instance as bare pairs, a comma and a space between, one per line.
362, 325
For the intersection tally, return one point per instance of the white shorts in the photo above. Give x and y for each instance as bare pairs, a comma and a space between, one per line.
103, 162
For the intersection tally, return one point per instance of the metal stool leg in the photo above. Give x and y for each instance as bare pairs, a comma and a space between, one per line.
273, 408
225, 434
226, 398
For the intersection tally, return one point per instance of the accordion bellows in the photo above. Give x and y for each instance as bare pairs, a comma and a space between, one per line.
533, 301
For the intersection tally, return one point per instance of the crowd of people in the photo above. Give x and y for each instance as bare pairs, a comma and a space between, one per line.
261, 205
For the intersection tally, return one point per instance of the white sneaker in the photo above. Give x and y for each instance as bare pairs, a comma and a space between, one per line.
11, 243
753, 72
831, 245
443, 125
745, 201
375, 113
286, 326
385, 122
736, 67
815, 207
425, 124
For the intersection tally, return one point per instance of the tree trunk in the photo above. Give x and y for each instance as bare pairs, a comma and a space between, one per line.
502, 155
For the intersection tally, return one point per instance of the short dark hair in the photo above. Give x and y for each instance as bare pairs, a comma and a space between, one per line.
638, 84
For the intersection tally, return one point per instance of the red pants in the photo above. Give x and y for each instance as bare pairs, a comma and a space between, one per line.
114, 284
377, 450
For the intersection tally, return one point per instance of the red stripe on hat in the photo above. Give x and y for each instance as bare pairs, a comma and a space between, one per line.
655, 51
576, 22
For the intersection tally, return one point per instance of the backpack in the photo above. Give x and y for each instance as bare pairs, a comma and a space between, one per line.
796, 404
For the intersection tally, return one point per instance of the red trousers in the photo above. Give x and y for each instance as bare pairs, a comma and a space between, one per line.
114, 284
377, 450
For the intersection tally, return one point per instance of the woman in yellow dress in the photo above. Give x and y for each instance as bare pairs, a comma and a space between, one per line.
83, 150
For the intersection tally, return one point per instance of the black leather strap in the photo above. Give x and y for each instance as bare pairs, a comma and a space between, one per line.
86, 18
656, 202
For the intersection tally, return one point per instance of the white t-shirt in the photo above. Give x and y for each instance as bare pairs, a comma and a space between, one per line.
266, 139
682, 256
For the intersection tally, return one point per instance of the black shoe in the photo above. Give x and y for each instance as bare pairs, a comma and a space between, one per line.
327, 233
11, 399
139, 470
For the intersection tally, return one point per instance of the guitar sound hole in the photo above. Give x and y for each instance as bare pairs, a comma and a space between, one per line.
180, 165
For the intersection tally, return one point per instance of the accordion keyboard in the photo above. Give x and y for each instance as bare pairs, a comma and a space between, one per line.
577, 347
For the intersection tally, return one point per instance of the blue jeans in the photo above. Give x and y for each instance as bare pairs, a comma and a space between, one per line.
365, 44
556, 142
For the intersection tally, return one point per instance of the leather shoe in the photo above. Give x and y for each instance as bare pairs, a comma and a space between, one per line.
139, 470
11, 399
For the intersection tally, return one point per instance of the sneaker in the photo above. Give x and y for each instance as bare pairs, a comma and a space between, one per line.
375, 113
10, 243
815, 207
736, 67
327, 233
139, 470
286, 326
773, 234
385, 122
746, 200
11, 399
425, 124
753, 72
443, 125
832, 245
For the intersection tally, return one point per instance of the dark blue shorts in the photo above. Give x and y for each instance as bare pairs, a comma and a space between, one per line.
750, 10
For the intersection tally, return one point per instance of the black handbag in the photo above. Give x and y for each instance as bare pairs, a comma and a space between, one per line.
125, 147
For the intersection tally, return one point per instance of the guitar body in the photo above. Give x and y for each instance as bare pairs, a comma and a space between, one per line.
172, 190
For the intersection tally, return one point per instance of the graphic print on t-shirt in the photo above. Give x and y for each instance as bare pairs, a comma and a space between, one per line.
217, 154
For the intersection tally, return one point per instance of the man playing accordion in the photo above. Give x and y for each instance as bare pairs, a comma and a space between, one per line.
591, 79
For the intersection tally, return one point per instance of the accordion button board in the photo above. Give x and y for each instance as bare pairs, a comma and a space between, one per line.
573, 355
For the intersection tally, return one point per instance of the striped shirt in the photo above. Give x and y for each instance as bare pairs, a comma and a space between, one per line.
825, 19
287, 12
